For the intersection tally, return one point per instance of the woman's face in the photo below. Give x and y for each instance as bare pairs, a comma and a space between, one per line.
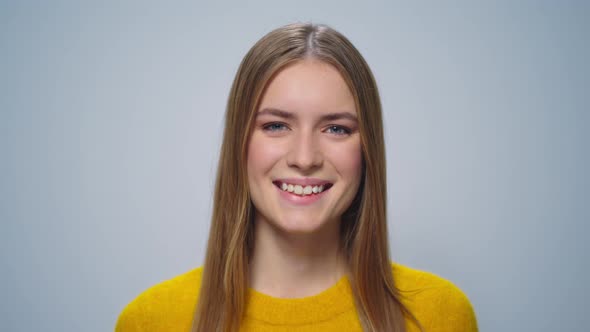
304, 155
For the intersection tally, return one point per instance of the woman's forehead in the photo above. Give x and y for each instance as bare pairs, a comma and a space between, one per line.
308, 86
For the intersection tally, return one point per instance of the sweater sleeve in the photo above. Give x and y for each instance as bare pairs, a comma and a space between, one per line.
130, 318
167, 306
464, 319
455, 311
437, 303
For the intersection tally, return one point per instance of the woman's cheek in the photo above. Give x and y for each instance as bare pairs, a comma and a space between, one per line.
346, 158
263, 153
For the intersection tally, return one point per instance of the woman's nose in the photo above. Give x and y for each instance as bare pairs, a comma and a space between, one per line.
304, 152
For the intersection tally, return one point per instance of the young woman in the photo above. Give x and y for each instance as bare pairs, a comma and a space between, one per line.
298, 239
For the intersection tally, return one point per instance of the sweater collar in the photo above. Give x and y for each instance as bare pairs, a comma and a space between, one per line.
331, 302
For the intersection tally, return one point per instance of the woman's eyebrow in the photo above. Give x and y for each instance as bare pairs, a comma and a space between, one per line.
276, 112
339, 115
325, 117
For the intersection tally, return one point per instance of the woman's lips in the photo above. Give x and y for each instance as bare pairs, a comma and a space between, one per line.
301, 199
303, 188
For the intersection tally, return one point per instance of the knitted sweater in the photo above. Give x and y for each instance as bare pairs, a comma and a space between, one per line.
438, 305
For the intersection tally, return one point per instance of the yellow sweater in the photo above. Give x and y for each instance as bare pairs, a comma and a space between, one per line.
169, 306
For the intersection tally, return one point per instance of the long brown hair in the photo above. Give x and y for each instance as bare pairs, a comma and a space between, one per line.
224, 284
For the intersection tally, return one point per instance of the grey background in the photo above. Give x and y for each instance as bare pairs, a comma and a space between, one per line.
111, 119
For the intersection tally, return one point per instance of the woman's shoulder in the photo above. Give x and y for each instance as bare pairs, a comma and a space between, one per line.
172, 298
435, 301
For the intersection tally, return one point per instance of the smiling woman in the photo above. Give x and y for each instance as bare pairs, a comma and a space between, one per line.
300, 140
298, 238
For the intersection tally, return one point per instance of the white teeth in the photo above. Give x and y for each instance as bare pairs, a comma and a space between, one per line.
301, 190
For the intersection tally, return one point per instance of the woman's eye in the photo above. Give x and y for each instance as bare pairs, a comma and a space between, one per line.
273, 127
338, 130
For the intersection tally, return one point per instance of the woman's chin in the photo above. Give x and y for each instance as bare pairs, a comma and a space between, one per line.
302, 226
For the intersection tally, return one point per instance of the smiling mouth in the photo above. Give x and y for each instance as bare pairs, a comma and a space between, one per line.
302, 190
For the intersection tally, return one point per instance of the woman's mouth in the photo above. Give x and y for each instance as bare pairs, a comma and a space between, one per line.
302, 190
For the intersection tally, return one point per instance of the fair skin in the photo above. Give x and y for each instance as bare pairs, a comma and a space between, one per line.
304, 169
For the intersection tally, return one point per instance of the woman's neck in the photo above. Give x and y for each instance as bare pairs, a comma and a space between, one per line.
295, 265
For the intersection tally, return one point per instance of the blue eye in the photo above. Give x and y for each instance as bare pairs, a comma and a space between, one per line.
275, 126
338, 130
